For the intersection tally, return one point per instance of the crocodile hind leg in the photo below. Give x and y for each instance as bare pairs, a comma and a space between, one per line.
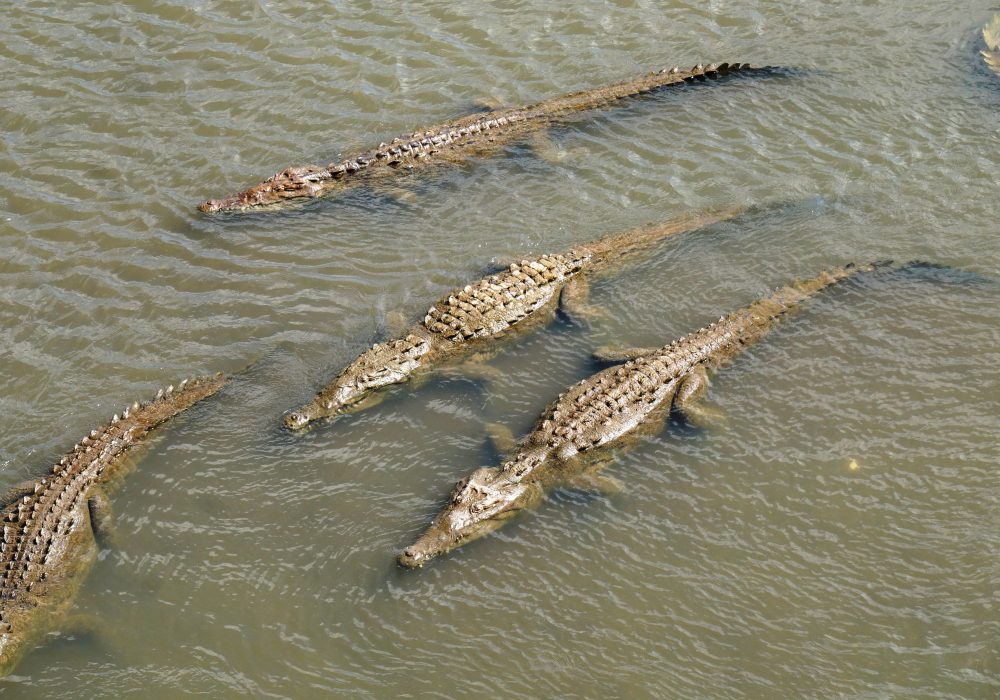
84, 625
591, 481
545, 148
473, 369
99, 507
687, 400
616, 353
574, 301
599, 484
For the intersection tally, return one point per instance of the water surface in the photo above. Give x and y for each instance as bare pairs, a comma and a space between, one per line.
748, 561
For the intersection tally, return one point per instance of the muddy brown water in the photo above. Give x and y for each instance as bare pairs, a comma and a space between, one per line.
748, 561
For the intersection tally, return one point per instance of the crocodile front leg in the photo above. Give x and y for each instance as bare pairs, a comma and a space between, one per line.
687, 400
502, 438
617, 353
598, 484
396, 323
370, 401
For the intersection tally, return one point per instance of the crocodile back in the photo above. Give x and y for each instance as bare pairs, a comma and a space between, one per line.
495, 303
613, 402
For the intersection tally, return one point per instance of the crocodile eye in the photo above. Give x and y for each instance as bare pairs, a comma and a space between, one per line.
456, 494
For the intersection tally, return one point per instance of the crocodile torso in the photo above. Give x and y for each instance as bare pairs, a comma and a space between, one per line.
600, 411
482, 311
991, 35
475, 135
49, 525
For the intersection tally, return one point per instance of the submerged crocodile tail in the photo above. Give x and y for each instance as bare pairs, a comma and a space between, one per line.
636, 240
787, 297
991, 35
589, 99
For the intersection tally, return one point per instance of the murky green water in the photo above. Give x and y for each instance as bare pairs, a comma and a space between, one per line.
744, 562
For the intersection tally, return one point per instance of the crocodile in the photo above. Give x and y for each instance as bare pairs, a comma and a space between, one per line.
52, 525
991, 35
563, 449
470, 317
475, 135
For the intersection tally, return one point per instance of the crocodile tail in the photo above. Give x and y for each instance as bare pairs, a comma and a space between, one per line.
590, 99
617, 245
991, 35
789, 296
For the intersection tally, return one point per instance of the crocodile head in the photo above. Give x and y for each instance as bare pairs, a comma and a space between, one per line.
381, 365
479, 504
290, 183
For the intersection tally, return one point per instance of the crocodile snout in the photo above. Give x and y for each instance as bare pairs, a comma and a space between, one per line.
411, 558
296, 420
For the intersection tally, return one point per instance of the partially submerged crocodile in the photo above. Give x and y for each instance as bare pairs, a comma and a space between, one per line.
485, 310
475, 135
991, 35
49, 525
601, 411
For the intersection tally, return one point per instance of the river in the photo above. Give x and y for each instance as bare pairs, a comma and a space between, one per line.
838, 535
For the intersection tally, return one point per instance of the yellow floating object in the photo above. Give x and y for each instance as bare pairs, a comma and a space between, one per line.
853, 466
